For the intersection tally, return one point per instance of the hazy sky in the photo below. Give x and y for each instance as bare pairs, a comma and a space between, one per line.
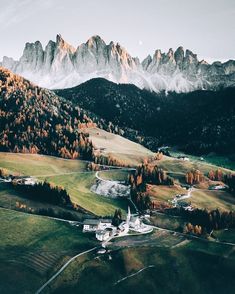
207, 27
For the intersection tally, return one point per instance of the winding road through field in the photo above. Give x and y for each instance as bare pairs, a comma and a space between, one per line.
129, 198
62, 269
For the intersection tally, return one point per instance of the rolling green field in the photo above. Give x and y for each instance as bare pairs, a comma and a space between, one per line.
39, 165
115, 175
164, 193
190, 267
71, 174
167, 221
78, 187
33, 247
212, 200
180, 167
218, 160
227, 235
120, 148
12, 199
200, 198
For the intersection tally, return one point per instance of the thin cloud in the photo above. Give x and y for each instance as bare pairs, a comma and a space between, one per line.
17, 11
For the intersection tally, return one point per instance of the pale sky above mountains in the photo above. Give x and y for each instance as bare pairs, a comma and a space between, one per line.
204, 26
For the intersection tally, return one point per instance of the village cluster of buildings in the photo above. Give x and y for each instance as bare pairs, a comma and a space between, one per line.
104, 229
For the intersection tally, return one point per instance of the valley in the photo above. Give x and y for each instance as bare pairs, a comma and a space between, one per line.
128, 261
116, 175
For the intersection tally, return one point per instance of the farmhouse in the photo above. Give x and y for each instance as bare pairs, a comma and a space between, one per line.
105, 223
102, 235
217, 187
91, 225
28, 181
182, 157
184, 204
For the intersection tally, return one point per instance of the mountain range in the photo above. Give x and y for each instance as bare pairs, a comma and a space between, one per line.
60, 65
35, 119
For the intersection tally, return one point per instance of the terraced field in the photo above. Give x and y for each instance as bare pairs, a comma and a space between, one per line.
33, 247
40, 261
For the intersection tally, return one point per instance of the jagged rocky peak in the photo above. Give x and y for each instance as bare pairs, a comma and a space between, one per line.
60, 65
31, 48
60, 43
32, 58
157, 55
146, 62
179, 55
169, 57
170, 53
8, 62
59, 39
190, 56
95, 41
203, 62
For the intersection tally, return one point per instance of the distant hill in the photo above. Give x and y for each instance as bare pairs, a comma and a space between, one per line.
199, 122
120, 103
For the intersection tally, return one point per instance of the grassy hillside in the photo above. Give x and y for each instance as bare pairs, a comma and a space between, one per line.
33, 247
78, 187
39, 165
71, 174
180, 167
188, 267
118, 147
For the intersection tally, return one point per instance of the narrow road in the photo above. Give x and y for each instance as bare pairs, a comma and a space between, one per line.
134, 274
104, 180
62, 269
192, 236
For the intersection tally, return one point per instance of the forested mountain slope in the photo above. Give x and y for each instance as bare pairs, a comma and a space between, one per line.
33, 119
198, 122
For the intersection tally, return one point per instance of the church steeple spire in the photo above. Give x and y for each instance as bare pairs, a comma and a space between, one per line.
128, 217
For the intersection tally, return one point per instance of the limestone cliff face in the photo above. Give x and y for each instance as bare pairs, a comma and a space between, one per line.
60, 65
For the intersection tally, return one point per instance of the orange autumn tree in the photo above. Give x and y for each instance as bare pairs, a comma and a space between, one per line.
194, 177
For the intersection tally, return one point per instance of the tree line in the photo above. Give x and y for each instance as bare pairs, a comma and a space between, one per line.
45, 192
194, 177
207, 219
146, 174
